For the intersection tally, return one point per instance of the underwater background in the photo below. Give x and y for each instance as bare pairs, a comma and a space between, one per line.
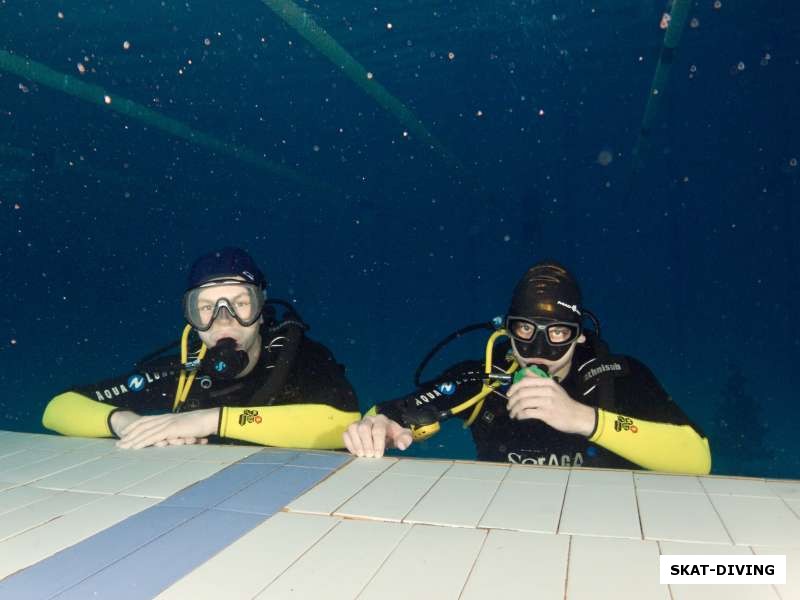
394, 168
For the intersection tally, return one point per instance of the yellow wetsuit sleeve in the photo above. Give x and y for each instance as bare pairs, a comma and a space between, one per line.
651, 445
317, 426
73, 414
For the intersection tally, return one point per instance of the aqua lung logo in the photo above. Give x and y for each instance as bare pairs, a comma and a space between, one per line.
136, 383
447, 388
468, 377
220, 366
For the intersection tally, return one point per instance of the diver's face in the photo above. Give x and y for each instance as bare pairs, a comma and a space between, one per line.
225, 325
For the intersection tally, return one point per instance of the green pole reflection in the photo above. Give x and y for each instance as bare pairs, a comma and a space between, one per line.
44, 75
301, 21
672, 37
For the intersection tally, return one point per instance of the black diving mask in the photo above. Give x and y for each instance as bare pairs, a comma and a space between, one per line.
541, 338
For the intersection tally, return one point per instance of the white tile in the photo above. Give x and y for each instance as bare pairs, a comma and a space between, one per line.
9, 450
738, 487
791, 590
525, 507
715, 592
758, 521
71, 478
48, 442
330, 570
440, 559
600, 477
22, 459
18, 497
455, 502
229, 452
609, 569
421, 468
602, 510
537, 474
38, 470
788, 490
484, 472
375, 465
208, 453
36, 544
174, 479
512, 564
34, 514
263, 554
680, 517
794, 505
389, 497
199, 452
336, 490
119, 479
679, 484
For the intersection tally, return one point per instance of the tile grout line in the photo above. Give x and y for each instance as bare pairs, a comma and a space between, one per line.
489, 504
486, 533
721, 520
421, 498
290, 565
359, 490
566, 571
660, 554
638, 508
385, 560
563, 503
789, 506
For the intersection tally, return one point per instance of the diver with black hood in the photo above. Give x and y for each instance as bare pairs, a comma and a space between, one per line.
548, 392
243, 374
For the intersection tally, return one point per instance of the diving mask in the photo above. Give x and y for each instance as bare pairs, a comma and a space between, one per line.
541, 338
204, 304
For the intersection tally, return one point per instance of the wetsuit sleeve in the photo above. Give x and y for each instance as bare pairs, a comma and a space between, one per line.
74, 414
649, 429
86, 410
313, 410
318, 426
653, 445
456, 385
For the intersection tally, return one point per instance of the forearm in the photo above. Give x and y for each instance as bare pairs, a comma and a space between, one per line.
318, 426
652, 445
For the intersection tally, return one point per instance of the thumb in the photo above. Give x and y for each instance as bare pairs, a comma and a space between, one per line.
400, 436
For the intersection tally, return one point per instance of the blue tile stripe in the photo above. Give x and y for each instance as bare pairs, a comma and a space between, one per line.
144, 554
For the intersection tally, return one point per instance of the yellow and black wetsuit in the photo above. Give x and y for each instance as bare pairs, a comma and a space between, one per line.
643, 427
311, 409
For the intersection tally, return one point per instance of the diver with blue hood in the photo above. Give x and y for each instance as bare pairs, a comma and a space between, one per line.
243, 374
548, 392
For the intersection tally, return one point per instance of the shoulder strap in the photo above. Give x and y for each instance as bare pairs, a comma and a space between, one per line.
286, 342
600, 372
